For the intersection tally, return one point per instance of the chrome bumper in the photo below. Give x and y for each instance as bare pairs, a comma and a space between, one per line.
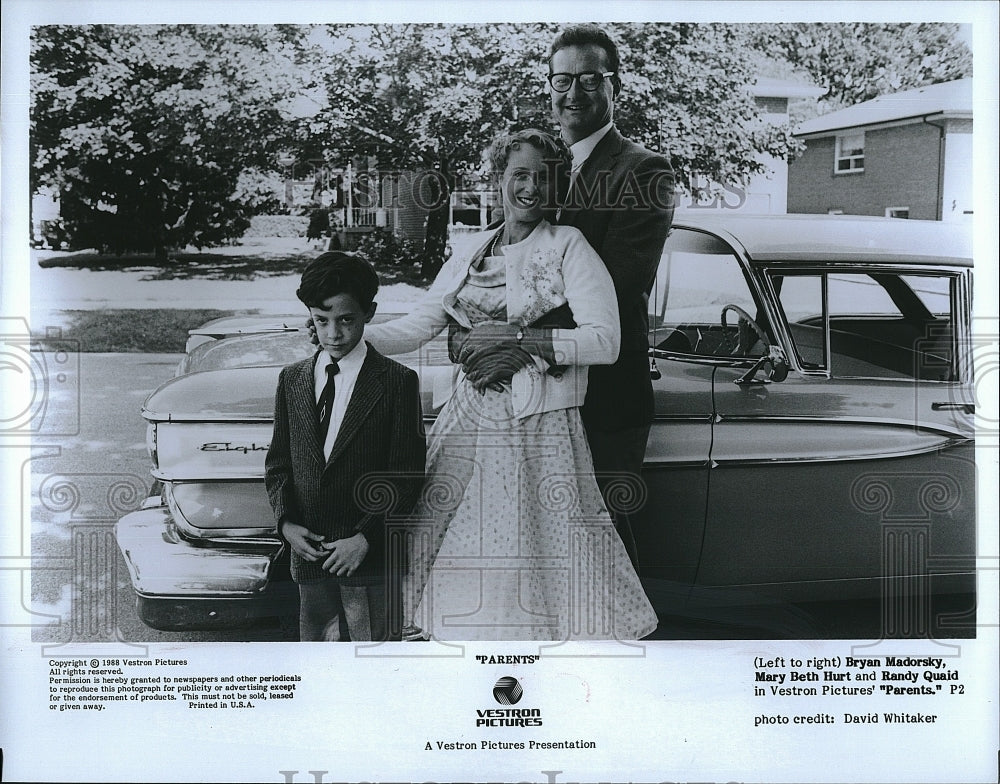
162, 563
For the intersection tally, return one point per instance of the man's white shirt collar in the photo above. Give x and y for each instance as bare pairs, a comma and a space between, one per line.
582, 149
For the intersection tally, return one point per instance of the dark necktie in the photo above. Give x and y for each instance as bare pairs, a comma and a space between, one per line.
324, 407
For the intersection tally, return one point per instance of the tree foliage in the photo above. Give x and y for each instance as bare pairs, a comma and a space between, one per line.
423, 97
156, 136
859, 61
435, 95
689, 94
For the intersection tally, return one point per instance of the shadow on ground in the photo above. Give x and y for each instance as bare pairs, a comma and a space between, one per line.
236, 263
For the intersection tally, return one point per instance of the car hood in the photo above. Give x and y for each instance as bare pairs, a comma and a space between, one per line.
234, 378
242, 393
255, 349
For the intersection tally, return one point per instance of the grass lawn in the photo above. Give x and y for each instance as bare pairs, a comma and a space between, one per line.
130, 331
158, 330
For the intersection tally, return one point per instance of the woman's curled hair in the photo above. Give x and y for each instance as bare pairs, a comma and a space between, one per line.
555, 153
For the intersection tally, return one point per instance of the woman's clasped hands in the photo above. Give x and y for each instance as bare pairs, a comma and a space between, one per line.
490, 355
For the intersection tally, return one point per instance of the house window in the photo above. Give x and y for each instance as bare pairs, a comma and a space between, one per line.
897, 212
850, 154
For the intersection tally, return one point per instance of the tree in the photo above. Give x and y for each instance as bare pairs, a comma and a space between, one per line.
421, 98
858, 62
434, 96
688, 93
157, 136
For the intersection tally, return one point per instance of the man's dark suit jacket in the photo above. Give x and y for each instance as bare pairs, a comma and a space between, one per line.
375, 470
623, 202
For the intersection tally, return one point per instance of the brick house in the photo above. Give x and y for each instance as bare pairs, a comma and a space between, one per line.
905, 155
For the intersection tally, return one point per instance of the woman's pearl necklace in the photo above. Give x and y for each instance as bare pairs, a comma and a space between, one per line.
495, 242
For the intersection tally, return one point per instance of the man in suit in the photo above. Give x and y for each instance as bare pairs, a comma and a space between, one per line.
346, 457
621, 196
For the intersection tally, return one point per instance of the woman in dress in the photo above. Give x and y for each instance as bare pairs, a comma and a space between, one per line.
513, 538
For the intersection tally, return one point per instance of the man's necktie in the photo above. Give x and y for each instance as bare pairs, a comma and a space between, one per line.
569, 198
324, 407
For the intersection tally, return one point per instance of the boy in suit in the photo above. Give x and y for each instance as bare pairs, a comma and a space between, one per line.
346, 457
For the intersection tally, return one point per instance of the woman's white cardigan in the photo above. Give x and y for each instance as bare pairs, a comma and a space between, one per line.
553, 265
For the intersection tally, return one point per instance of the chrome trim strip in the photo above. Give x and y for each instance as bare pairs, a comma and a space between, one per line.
841, 580
699, 418
164, 476
910, 381
904, 424
666, 465
861, 457
964, 329
156, 417
862, 261
702, 359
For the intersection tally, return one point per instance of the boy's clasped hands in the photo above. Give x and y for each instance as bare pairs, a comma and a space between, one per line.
341, 557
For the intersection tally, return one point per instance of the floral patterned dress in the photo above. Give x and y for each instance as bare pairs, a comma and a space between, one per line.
512, 537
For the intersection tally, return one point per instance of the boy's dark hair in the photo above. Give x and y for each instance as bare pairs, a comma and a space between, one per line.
582, 35
338, 272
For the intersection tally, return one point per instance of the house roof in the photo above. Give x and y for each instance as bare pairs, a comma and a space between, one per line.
949, 99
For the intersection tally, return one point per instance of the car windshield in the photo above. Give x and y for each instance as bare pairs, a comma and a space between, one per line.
701, 298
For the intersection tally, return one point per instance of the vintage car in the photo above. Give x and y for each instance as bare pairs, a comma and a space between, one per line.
813, 436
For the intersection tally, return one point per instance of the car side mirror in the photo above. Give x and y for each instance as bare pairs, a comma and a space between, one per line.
779, 368
778, 362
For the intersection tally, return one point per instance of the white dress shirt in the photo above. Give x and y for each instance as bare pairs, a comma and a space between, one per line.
582, 149
344, 381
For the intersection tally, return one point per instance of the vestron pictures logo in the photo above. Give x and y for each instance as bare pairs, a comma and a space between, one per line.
508, 691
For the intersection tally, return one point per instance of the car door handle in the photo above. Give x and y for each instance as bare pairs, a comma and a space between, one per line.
968, 408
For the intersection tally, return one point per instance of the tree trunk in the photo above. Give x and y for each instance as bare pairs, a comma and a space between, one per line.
436, 235
159, 221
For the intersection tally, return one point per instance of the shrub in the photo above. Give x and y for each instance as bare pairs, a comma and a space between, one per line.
385, 249
277, 226
319, 223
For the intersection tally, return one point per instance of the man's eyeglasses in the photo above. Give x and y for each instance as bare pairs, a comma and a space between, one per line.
589, 80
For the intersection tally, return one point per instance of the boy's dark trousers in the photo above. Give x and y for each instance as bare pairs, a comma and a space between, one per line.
332, 612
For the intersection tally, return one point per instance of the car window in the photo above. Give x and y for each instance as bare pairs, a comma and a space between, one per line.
934, 291
875, 324
697, 278
801, 298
